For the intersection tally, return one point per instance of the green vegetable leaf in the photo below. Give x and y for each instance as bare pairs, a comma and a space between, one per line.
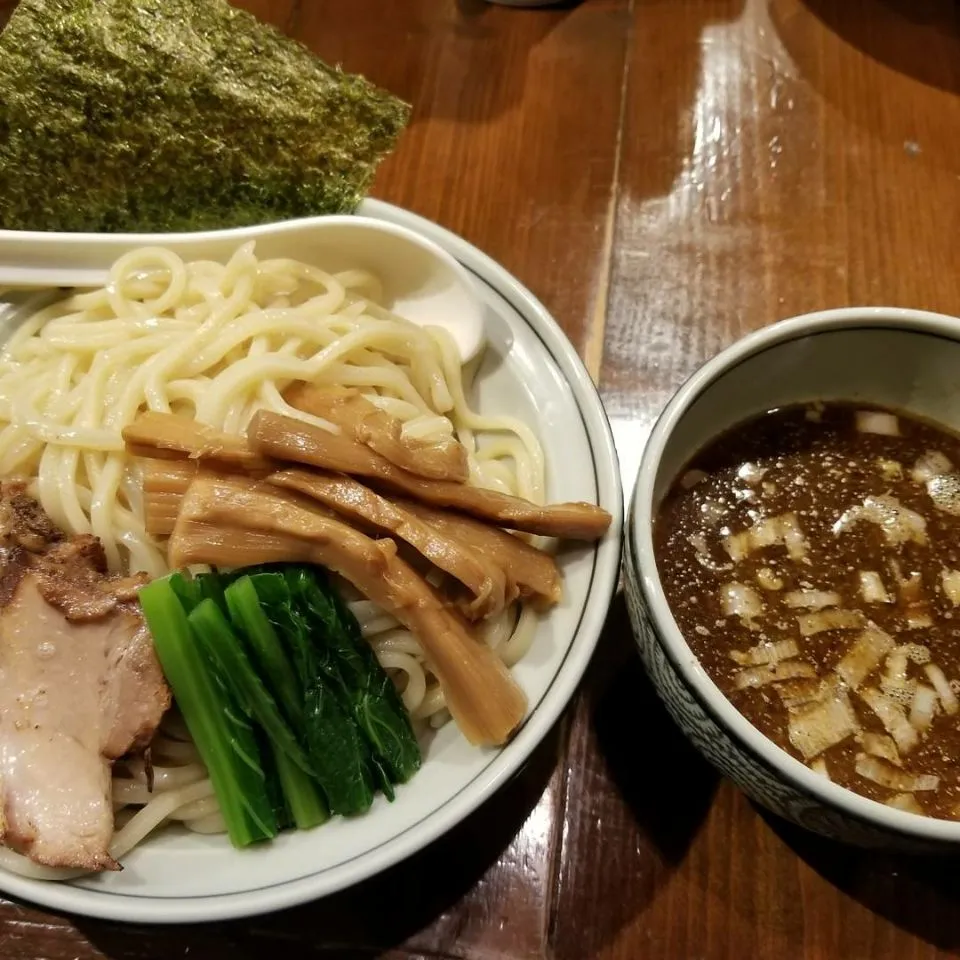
225, 650
268, 650
337, 749
303, 799
350, 662
223, 737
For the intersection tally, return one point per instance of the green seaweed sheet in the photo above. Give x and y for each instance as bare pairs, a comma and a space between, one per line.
171, 115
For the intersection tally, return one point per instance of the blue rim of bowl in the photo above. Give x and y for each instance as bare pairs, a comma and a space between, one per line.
504, 763
643, 568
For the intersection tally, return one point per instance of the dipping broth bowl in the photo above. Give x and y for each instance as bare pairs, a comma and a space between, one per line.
902, 359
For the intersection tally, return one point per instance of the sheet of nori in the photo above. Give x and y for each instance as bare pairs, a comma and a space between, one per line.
168, 115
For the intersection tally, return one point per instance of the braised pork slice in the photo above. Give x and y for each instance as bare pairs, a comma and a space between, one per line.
283, 438
483, 698
80, 686
367, 424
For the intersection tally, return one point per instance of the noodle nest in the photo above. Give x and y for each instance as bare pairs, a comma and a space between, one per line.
218, 342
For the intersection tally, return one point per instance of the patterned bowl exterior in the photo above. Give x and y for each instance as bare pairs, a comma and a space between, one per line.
761, 782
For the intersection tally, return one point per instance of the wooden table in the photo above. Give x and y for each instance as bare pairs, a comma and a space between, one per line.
666, 175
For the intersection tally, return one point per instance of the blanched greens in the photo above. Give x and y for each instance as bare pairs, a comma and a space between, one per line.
286, 702
373, 699
334, 742
226, 741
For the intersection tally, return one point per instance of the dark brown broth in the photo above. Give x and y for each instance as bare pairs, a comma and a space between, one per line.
817, 465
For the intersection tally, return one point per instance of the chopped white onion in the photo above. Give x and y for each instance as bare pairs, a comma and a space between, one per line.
764, 533
892, 716
751, 472
811, 599
766, 653
950, 581
880, 745
948, 699
916, 652
930, 464
768, 532
894, 682
872, 589
793, 538
691, 478
819, 726
899, 524
740, 600
905, 801
713, 511
924, 707
890, 469
699, 543
863, 656
944, 491
772, 673
738, 545
768, 579
821, 620
875, 421
795, 693
820, 766
916, 610
881, 773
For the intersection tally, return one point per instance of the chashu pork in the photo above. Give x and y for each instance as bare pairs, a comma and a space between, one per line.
80, 686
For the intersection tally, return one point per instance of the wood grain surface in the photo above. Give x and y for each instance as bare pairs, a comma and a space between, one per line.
665, 175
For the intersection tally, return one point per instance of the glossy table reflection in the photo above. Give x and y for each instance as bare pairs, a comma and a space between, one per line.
666, 175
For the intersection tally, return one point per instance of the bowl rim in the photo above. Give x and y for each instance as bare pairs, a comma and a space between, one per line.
644, 568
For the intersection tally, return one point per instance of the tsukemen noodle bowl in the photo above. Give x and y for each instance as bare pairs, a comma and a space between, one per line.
793, 560
183, 521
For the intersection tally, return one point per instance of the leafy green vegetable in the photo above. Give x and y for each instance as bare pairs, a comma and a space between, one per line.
161, 115
224, 649
186, 589
336, 747
211, 587
370, 693
275, 657
304, 800
271, 657
226, 742
306, 805
271, 760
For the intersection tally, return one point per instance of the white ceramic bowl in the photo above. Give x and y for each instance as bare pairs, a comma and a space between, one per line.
899, 358
531, 371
